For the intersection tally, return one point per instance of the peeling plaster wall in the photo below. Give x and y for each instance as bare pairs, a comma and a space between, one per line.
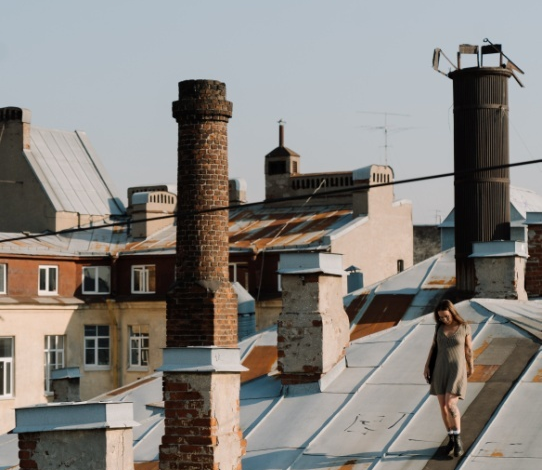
500, 278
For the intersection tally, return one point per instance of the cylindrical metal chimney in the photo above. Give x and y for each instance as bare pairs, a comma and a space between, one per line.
482, 198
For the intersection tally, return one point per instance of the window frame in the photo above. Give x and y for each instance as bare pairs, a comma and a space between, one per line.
3, 278
144, 278
5, 371
46, 268
96, 337
96, 279
59, 352
135, 335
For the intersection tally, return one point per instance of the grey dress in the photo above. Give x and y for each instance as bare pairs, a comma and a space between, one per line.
450, 374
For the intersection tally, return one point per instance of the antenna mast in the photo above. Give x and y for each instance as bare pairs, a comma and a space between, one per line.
385, 128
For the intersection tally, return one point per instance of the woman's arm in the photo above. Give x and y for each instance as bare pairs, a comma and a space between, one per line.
468, 355
426, 372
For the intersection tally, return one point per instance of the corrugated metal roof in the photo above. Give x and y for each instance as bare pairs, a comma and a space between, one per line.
261, 227
71, 173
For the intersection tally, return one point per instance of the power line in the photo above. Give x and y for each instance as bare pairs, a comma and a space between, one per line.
350, 189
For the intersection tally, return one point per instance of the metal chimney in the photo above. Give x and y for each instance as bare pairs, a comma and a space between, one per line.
482, 197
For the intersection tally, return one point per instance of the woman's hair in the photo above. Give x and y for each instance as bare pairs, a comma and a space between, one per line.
444, 305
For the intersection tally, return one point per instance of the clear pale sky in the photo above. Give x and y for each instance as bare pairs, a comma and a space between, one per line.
111, 68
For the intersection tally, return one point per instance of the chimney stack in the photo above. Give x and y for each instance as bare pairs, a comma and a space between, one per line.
313, 328
201, 361
482, 198
93, 435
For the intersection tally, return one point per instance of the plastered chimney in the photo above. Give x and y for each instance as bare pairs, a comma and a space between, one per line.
201, 367
500, 269
313, 328
83, 436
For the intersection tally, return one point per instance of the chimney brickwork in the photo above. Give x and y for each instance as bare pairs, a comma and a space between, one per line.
533, 274
202, 424
313, 328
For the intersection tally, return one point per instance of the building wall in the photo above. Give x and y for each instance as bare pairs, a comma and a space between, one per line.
376, 245
29, 325
25, 206
426, 242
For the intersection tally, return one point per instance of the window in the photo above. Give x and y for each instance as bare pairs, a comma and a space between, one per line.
48, 280
6, 367
143, 279
54, 358
96, 279
400, 265
139, 346
97, 345
3, 279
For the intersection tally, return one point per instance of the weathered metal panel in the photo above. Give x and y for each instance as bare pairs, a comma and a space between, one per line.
274, 432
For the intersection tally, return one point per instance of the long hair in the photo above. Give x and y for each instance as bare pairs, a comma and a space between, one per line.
444, 305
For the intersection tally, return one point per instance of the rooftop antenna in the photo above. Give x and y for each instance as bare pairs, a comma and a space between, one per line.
386, 128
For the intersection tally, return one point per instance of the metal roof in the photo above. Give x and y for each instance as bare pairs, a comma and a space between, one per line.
521, 201
268, 227
376, 411
71, 173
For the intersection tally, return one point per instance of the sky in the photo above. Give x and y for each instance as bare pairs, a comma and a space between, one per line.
330, 69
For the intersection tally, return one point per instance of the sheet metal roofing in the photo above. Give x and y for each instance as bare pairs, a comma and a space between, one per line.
268, 227
374, 410
521, 201
71, 172
376, 413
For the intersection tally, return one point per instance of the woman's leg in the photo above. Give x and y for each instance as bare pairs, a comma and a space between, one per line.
450, 402
446, 418
454, 417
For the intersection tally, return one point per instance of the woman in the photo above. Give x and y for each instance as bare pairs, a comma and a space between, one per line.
453, 365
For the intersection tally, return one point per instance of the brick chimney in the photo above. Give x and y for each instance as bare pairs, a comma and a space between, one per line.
533, 274
76, 435
201, 360
313, 328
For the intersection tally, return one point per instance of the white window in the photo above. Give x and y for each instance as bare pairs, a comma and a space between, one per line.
139, 346
97, 346
48, 280
143, 279
6, 367
54, 358
3, 278
96, 279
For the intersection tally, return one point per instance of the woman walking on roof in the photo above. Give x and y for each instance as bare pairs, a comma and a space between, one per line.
453, 365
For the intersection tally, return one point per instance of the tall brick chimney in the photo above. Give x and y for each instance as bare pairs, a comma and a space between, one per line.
201, 360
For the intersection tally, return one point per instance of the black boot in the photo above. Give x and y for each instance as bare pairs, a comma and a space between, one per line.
458, 446
448, 448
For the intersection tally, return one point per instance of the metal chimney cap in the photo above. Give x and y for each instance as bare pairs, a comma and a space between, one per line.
311, 263
499, 249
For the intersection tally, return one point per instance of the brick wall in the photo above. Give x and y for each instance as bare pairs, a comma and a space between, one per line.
202, 307
533, 273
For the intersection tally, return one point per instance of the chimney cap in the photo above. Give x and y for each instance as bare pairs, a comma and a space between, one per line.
74, 416
66, 373
311, 263
499, 249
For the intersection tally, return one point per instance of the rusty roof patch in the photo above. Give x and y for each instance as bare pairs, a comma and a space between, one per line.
356, 305
383, 312
259, 362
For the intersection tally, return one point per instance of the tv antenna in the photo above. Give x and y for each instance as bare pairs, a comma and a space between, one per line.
386, 128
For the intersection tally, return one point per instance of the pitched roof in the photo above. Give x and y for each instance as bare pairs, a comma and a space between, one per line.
269, 227
71, 173
375, 411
